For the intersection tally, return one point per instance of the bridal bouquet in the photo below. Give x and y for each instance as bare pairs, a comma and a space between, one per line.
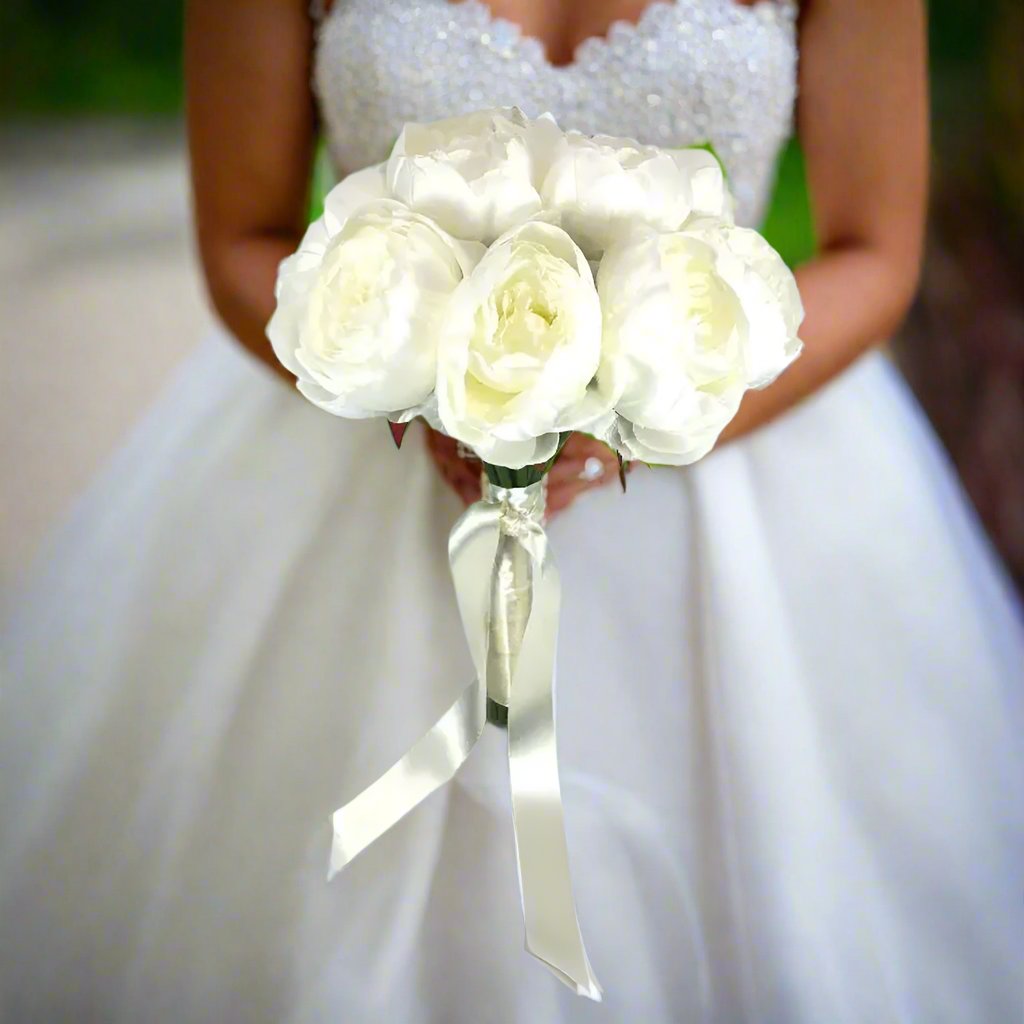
510, 282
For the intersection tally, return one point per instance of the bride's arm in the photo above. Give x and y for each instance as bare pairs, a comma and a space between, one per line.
862, 121
251, 127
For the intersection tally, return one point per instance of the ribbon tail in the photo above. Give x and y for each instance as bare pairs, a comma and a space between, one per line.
552, 928
428, 764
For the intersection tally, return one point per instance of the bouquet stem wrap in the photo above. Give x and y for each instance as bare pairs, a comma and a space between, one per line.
509, 593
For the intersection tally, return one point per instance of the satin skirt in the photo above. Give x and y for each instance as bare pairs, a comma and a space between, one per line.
789, 717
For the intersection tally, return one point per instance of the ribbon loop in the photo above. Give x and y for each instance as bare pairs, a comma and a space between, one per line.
429, 763
509, 595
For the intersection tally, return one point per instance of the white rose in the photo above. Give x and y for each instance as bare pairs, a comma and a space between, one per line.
521, 348
474, 175
360, 303
603, 186
691, 320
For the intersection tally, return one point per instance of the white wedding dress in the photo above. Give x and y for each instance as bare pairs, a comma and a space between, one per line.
789, 711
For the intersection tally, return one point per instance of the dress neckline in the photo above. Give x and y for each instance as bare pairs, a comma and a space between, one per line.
621, 28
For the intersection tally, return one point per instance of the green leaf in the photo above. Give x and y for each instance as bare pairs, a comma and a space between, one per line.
322, 180
789, 227
622, 471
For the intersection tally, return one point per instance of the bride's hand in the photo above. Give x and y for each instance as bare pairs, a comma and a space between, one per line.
572, 474
583, 465
462, 475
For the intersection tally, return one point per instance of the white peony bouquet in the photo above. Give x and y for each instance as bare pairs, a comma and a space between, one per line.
510, 283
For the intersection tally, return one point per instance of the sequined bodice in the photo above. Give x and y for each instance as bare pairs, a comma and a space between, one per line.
688, 71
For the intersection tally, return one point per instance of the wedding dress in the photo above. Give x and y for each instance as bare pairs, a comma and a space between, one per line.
790, 676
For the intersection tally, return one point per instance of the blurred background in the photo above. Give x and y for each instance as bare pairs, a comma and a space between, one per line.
101, 296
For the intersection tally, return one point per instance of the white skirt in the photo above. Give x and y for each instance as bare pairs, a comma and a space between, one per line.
789, 721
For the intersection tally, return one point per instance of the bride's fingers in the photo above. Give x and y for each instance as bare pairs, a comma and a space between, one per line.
460, 475
463, 481
561, 496
583, 469
466, 482
573, 473
560, 501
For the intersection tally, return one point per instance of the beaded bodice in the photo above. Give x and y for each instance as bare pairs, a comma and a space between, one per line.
688, 71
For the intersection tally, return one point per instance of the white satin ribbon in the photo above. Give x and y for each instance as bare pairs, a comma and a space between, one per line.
508, 593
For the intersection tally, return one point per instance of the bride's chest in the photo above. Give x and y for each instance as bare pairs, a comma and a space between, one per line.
686, 71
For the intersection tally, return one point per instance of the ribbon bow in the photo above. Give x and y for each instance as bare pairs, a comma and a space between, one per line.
508, 592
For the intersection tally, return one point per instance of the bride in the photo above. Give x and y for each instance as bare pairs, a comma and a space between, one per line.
790, 705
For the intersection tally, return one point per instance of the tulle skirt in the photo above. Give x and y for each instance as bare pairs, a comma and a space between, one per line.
789, 722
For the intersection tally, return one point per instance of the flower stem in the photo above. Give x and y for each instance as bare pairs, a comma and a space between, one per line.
502, 476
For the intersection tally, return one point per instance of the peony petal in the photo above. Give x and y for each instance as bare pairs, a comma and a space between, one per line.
352, 193
343, 406
709, 193
518, 454
662, 449
603, 187
472, 174
771, 301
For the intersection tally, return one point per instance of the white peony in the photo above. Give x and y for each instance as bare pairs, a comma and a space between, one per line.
475, 175
521, 348
691, 320
360, 303
603, 186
